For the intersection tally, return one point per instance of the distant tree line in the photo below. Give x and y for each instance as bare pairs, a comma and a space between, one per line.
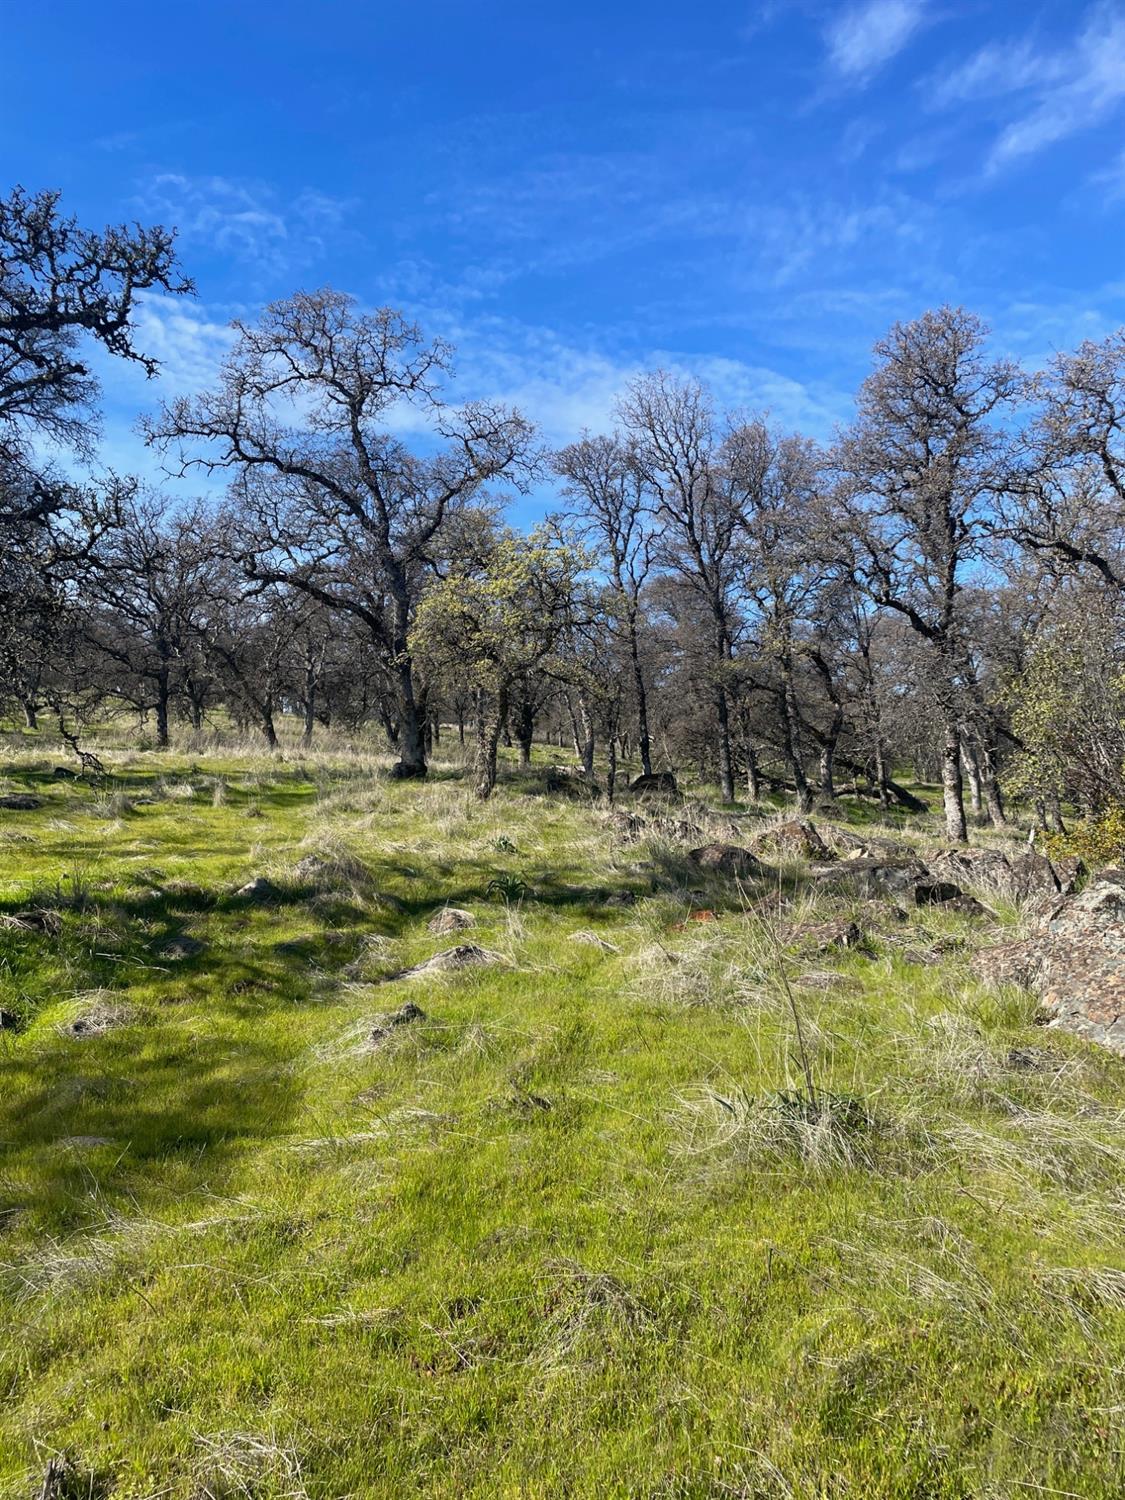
937, 593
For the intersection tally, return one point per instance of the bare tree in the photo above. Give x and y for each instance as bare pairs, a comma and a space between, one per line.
675, 441
602, 476
919, 470
332, 503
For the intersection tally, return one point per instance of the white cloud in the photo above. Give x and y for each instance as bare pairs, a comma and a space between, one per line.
1060, 90
245, 221
868, 35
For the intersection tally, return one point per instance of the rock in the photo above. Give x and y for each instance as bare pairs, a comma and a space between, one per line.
1075, 963
96, 1019
1032, 875
676, 828
464, 956
592, 940
660, 783
873, 877
796, 837
975, 866
828, 937
8, 1021
936, 893
451, 919
620, 899
726, 859
382, 1026
20, 802
258, 889
64, 773
628, 825
182, 948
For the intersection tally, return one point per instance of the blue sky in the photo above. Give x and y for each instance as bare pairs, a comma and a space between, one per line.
571, 193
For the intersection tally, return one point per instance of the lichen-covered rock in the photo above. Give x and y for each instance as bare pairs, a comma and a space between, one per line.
962, 866
464, 956
727, 859
1075, 963
871, 878
828, 937
451, 919
659, 783
258, 889
796, 837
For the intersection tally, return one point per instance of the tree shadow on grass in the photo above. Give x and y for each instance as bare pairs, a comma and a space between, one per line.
110, 1122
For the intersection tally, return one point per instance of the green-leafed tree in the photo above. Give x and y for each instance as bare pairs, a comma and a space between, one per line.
495, 618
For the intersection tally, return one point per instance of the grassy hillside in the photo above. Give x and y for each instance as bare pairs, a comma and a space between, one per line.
575, 1231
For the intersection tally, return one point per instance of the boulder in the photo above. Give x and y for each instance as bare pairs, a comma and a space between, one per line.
20, 802
628, 825
658, 782
464, 956
870, 878
828, 937
726, 859
181, 948
382, 1026
450, 919
961, 866
796, 837
1074, 962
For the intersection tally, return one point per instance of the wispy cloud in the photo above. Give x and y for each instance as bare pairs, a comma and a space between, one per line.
245, 221
1048, 91
868, 35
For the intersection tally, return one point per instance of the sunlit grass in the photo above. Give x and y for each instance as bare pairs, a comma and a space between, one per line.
574, 1231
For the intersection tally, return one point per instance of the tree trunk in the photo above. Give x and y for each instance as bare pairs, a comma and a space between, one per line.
791, 749
587, 745
643, 744
726, 767
30, 714
753, 781
972, 770
162, 710
952, 787
412, 747
525, 731
268, 728
490, 716
611, 766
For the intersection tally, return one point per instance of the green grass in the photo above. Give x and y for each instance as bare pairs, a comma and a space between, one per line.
573, 1234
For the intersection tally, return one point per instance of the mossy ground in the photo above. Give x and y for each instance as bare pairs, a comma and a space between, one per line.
574, 1234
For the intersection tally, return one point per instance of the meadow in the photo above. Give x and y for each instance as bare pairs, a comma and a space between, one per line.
655, 1199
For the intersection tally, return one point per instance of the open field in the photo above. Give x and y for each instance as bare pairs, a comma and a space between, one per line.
573, 1231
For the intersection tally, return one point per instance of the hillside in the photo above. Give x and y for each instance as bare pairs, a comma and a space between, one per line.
683, 1188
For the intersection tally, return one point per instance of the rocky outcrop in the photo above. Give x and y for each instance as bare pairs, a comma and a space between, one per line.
727, 859
1074, 962
796, 837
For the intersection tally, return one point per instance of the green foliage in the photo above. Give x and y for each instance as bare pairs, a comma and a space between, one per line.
500, 612
1098, 842
1068, 710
